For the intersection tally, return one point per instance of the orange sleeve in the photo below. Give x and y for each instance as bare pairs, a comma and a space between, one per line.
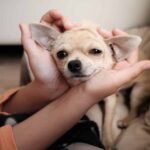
4, 97
7, 141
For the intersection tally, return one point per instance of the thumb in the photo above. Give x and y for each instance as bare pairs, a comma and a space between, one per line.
117, 31
29, 45
128, 74
25, 33
25, 36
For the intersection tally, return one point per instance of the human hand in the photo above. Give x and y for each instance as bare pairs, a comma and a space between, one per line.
133, 57
109, 81
57, 20
40, 60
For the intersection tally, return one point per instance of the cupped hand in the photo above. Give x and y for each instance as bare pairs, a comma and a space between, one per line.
133, 58
57, 20
40, 60
108, 82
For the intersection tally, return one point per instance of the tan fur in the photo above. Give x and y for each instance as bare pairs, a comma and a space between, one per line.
78, 42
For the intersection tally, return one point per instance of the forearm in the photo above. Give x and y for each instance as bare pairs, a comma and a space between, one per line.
28, 99
47, 125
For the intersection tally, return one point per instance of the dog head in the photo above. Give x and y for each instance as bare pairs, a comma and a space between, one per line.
81, 52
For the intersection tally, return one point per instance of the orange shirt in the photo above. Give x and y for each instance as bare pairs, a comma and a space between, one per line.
7, 141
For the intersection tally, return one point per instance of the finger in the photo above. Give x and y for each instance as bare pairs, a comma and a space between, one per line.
59, 25
122, 65
104, 33
130, 73
51, 16
54, 17
25, 35
25, 32
133, 57
117, 31
29, 45
67, 23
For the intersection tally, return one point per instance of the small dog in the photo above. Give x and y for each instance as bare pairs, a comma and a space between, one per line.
82, 52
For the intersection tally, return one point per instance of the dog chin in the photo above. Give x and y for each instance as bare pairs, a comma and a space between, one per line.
77, 79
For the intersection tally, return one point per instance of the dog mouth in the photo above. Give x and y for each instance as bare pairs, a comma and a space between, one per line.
82, 76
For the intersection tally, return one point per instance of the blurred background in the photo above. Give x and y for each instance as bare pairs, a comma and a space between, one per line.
108, 14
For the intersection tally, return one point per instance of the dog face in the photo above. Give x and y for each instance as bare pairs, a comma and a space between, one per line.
81, 52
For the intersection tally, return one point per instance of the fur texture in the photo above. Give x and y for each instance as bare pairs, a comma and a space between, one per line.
79, 54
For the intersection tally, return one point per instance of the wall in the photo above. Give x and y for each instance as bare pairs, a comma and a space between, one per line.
107, 13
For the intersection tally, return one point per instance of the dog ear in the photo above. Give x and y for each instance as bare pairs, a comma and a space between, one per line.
122, 46
43, 35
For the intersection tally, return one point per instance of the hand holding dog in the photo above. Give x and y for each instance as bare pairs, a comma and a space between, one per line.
48, 83
49, 74
109, 81
70, 107
42, 64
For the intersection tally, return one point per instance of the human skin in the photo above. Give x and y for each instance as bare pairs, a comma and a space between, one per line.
57, 116
48, 83
51, 122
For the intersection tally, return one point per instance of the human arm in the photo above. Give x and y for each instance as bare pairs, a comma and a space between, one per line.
47, 125
57, 87
62, 114
48, 83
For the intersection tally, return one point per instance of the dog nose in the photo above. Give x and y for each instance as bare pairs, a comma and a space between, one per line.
74, 66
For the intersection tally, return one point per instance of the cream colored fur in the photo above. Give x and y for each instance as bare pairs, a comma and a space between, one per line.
78, 42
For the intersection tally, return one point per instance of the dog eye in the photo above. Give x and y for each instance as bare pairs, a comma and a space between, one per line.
95, 51
62, 54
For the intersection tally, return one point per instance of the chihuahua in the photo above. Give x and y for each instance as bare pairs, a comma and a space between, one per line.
79, 54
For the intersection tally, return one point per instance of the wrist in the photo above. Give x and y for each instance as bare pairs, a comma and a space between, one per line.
83, 95
50, 91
